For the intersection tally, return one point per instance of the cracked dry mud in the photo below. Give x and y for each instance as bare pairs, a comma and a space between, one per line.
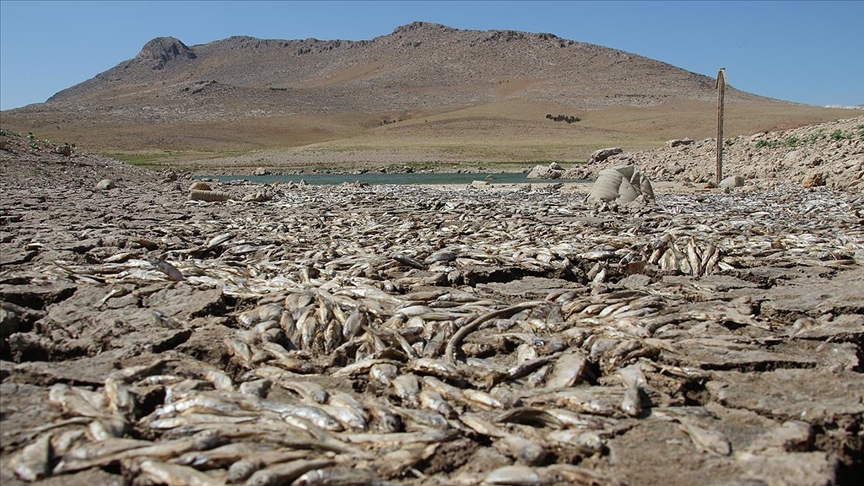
404, 335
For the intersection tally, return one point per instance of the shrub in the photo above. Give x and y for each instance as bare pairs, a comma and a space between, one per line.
838, 135
565, 118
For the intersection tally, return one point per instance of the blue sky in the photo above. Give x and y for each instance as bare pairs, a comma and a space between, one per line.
801, 51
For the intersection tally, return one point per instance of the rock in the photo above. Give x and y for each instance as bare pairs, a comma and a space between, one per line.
260, 196
555, 166
4, 145
10, 323
105, 185
603, 154
576, 173
621, 184
732, 181
791, 394
480, 184
210, 196
543, 172
678, 142
813, 179
64, 149
36, 296
260, 171
200, 186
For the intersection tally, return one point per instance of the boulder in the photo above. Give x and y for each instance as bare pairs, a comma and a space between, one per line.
543, 172
576, 173
105, 184
679, 142
260, 171
65, 149
731, 181
622, 185
200, 186
480, 184
813, 179
555, 166
603, 154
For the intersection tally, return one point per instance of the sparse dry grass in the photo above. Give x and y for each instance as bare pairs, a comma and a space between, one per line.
509, 131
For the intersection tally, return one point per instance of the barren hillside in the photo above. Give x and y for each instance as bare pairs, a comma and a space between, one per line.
424, 85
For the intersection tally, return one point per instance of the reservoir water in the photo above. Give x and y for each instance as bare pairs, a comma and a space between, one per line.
398, 179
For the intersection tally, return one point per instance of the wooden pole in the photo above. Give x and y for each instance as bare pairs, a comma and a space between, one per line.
721, 85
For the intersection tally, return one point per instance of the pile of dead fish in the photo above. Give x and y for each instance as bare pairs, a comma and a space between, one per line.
376, 333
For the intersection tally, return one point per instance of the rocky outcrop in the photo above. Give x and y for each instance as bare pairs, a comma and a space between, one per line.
603, 154
161, 50
830, 154
552, 171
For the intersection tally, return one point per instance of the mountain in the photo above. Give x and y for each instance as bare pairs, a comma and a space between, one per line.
418, 84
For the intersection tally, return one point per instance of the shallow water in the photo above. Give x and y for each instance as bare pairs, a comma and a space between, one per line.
398, 179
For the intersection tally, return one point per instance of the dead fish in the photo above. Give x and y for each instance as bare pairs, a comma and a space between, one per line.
386, 418
589, 442
424, 418
241, 470
398, 462
238, 348
175, 474
221, 456
349, 419
481, 399
525, 451
441, 256
401, 439
309, 390
317, 416
279, 474
407, 388
383, 373
433, 400
570, 474
77, 401
219, 239
706, 440
258, 388
120, 398
108, 427
170, 270
534, 417
568, 370
631, 403
355, 321
434, 367
514, 475
33, 462
481, 425
360, 367
220, 380
339, 476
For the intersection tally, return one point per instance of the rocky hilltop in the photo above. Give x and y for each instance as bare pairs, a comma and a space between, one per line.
418, 66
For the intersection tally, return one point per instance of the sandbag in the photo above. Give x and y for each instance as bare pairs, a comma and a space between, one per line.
622, 185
